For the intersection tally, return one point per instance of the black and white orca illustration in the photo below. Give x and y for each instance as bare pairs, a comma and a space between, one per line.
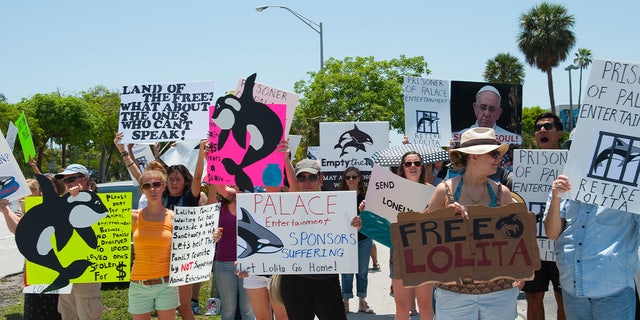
59, 217
253, 238
239, 116
353, 138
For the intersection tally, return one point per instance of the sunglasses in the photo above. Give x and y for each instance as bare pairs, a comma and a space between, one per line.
72, 179
310, 178
494, 154
147, 186
415, 163
351, 177
546, 126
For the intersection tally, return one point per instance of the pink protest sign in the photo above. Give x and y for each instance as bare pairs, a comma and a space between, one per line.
244, 135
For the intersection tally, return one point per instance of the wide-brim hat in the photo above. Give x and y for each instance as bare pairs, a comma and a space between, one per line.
478, 140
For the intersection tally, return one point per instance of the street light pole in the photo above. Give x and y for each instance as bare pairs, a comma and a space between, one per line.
569, 68
317, 27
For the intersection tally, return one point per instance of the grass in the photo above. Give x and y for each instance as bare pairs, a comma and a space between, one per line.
114, 297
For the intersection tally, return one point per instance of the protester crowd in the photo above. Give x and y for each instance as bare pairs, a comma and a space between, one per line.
593, 278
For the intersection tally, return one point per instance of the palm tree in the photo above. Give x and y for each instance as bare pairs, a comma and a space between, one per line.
546, 38
504, 68
583, 59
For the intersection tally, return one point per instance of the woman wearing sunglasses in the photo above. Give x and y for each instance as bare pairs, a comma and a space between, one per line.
478, 156
412, 168
149, 288
352, 180
182, 190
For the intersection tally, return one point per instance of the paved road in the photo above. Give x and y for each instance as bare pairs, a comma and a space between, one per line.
382, 303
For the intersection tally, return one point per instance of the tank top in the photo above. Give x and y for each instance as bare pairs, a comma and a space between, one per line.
152, 247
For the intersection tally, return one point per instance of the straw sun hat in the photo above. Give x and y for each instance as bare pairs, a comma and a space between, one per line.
477, 141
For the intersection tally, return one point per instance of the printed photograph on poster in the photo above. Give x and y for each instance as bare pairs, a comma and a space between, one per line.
297, 232
427, 117
351, 144
605, 152
482, 104
165, 111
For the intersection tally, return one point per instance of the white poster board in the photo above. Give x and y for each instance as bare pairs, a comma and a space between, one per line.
427, 119
389, 193
12, 133
165, 111
297, 232
351, 144
533, 173
193, 247
13, 185
605, 153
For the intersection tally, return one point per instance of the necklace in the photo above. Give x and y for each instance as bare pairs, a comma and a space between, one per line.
467, 194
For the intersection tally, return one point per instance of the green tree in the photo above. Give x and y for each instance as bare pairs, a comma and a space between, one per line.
105, 106
62, 119
583, 59
354, 89
504, 68
545, 38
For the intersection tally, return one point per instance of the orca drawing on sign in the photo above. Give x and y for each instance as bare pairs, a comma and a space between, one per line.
354, 139
426, 121
59, 217
616, 158
253, 238
238, 116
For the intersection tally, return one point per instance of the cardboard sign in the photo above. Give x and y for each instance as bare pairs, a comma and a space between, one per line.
193, 247
165, 111
297, 232
426, 111
533, 173
605, 153
439, 247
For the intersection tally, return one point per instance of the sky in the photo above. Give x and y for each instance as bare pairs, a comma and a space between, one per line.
72, 46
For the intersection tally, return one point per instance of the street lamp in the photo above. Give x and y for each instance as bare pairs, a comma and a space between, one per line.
317, 27
569, 68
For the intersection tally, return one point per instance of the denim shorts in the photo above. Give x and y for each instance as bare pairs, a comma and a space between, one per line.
497, 305
147, 298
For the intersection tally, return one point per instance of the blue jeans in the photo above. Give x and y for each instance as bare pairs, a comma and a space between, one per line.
362, 278
231, 292
620, 305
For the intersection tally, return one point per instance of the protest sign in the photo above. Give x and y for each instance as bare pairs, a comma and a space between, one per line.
605, 152
250, 158
109, 261
26, 141
165, 111
349, 144
297, 232
533, 173
13, 185
426, 111
12, 134
263, 93
440, 247
193, 247
505, 119
294, 143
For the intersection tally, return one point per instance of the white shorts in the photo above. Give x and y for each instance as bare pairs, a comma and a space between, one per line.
497, 305
256, 282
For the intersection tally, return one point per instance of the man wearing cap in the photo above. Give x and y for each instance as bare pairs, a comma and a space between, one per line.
547, 131
308, 295
85, 300
488, 110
